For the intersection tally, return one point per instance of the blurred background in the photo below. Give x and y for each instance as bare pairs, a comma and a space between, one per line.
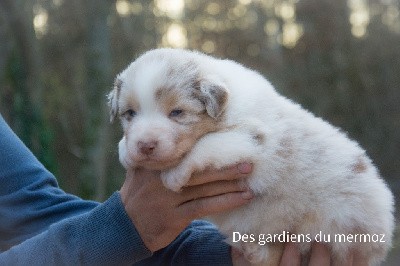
339, 58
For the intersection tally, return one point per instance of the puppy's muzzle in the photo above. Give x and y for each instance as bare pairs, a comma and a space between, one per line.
147, 148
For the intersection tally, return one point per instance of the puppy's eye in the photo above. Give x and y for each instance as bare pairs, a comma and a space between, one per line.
175, 112
129, 113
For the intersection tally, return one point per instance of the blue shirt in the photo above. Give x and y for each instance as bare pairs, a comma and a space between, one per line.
40, 224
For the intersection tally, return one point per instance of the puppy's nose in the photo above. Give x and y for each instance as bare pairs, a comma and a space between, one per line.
147, 148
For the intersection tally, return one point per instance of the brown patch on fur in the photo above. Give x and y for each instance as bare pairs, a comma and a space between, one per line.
213, 96
182, 75
258, 137
310, 218
285, 147
205, 125
188, 69
347, 194
360, 166
221, 98
186, 140
167, 98
158, 94
225, 128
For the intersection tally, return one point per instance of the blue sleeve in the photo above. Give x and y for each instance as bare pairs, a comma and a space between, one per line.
200, 244
40, 224
102, 236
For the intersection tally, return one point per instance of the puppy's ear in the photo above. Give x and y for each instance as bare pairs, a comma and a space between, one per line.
214, 95
113, 99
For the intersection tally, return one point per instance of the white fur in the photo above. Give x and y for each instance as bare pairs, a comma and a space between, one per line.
308, 176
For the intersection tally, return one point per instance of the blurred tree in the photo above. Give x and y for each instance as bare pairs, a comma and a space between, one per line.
99, 80
23, 74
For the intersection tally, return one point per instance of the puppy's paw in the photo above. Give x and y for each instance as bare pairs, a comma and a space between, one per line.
174, 179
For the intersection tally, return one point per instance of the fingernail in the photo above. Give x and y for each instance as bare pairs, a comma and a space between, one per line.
247, 194
245, 168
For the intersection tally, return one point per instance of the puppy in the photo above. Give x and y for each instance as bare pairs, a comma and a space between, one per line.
183, 111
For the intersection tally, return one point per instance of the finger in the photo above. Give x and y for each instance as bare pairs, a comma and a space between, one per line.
211, 189
291, 255
359, 259
211, 205
229, 173
320, 255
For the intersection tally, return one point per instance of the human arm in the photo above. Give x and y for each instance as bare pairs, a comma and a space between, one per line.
101, 236
40, 224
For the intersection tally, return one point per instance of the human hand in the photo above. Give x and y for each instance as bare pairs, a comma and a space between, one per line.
159, 214
320, 256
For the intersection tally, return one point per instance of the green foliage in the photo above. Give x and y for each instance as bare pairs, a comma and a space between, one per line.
27, 119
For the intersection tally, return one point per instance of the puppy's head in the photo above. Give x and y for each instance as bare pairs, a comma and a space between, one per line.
166, 101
